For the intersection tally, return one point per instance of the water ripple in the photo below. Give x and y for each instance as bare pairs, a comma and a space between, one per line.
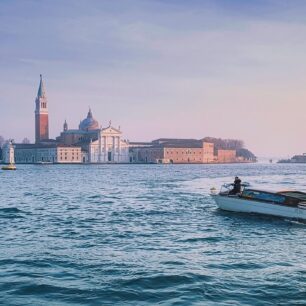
145, 235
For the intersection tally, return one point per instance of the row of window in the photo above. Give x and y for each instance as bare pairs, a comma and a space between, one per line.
187, 152
65, 158
71, 153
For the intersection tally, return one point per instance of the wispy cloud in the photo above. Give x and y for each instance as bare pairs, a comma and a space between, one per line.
159, 68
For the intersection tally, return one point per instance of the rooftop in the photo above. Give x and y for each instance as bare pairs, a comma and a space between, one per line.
40, 145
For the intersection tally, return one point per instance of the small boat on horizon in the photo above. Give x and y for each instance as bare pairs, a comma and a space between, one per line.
43, 163
9, 167
288, 204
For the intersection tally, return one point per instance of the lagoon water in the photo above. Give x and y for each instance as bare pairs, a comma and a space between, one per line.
145, 235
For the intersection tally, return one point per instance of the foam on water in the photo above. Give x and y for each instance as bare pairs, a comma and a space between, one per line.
143, 235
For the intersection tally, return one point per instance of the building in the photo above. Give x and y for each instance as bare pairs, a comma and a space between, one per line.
41, 114
103, 145
89, 143
108, 147
201, 153
181, 151
47, 153
45, 150
296, 159
92, 143
175, 151
226, 156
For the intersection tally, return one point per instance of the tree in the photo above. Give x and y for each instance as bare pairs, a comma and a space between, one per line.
246, 154
2, 141
26, 140
225, 144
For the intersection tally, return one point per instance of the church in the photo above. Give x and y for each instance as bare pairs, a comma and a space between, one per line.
103, 145
90, 143
93, 143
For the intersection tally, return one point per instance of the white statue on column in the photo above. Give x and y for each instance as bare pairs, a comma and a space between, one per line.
9, 153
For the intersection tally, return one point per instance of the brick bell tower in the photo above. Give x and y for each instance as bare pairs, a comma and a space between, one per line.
41, 114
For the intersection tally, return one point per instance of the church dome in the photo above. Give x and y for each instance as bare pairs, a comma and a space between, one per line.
89, 123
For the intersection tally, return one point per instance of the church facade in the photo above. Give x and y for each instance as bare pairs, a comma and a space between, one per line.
102, 145
109, 147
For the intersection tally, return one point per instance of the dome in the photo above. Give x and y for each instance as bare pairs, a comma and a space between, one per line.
89, 123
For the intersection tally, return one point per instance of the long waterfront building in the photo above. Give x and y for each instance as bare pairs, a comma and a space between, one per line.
48, 153
180, 151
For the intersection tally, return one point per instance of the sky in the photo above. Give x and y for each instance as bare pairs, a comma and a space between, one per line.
159, 68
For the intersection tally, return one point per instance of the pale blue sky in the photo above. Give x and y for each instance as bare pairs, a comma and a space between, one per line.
159, 68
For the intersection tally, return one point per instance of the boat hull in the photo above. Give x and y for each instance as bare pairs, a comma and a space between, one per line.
236, 204
9, 167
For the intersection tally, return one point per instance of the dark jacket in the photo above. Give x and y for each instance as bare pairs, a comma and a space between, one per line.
237, 186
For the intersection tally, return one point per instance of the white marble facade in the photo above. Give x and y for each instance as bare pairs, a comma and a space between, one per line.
109, 147
99, 145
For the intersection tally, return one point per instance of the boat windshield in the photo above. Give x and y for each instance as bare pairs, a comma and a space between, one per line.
263, 196
294, 194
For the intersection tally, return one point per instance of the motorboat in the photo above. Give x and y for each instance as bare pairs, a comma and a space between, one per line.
43, 163
9, 167
288, 204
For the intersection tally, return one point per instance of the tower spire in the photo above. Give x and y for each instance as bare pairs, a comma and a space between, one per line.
41, 89
89, 115
65, 125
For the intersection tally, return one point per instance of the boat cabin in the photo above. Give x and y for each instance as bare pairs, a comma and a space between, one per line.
291, 198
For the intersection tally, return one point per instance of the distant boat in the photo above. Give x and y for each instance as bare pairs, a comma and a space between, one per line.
288, 204
9, 167
43, 163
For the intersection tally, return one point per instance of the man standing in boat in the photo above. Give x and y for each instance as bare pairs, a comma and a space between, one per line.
236, 186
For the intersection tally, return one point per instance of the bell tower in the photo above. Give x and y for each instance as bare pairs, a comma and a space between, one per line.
41, 114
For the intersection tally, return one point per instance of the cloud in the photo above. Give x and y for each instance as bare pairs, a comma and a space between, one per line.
159, 68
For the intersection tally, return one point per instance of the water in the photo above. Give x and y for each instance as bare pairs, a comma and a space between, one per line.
145, 235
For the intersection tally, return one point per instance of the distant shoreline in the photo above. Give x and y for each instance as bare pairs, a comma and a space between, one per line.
96, 164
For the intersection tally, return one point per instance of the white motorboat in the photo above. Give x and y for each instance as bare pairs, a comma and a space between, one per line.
288, 204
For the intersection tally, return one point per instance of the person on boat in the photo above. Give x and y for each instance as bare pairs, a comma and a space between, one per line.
236, 186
